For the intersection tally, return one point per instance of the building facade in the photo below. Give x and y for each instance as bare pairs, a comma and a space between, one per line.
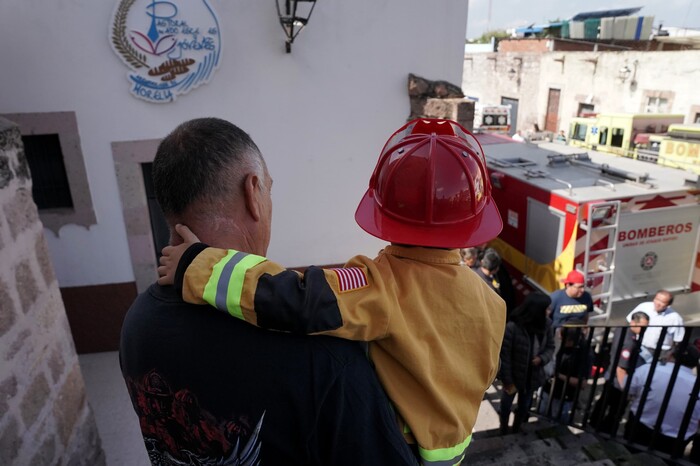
550, 87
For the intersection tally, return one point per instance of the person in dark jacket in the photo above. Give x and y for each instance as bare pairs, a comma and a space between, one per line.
528, 345
573, 363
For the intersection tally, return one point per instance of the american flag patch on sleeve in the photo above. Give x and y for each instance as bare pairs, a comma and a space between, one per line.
351, 278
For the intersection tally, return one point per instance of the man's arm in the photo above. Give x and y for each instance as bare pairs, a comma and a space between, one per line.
679, 331
627, 347
589, 304
621, 375
554, 312
590, 308
352, 303
638, 379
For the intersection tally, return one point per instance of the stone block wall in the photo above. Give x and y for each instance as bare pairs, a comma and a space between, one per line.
44, 415
439, 99
459, 110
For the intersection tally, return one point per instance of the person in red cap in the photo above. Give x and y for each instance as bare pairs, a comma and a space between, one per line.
573, 302
434, 327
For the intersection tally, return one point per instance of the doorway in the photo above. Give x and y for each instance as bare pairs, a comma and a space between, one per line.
513, 113
552, 119
145, 228
159, 226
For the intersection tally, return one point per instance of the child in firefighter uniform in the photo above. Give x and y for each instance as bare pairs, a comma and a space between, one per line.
434, 328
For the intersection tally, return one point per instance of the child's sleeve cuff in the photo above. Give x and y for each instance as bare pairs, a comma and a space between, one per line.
185, 262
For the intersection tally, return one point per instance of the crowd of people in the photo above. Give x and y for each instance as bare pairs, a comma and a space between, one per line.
550, 353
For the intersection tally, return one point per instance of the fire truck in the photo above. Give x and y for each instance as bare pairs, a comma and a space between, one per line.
630, 230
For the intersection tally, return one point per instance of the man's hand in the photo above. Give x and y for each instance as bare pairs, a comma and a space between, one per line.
536, 361
172, 254
510, 389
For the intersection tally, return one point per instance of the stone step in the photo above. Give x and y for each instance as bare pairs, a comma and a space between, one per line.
581, 440
481, 444
607, 449
559, 458
512, 455
643, 459
544, 443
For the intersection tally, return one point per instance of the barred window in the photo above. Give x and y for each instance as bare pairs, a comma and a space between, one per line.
50, 187
55, 157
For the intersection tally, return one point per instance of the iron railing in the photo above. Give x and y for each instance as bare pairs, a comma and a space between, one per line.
597, 388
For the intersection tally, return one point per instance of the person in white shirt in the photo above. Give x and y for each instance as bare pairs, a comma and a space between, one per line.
661, 314
642, 431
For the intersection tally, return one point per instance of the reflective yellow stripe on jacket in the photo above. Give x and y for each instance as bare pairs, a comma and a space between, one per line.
224, 287
445, 456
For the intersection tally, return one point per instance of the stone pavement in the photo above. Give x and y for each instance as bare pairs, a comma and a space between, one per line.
116, 420
543, 442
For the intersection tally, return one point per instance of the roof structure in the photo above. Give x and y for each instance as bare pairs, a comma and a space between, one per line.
605, 13
537, 28
688, 41
582, 175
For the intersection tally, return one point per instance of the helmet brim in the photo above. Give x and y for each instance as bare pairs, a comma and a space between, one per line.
468, 233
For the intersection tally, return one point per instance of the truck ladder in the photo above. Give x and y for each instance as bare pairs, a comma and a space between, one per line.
599, 254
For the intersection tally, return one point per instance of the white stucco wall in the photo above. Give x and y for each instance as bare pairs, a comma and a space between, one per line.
582, 79
320, 114
488, 77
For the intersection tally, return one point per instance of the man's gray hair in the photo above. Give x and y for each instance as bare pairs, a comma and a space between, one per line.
203, 159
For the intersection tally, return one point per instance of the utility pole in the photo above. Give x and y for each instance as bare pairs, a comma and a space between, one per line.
488, 19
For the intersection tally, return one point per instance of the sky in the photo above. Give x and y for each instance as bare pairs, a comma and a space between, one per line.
506, 14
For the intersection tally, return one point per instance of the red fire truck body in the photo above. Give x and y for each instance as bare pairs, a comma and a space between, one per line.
630, 227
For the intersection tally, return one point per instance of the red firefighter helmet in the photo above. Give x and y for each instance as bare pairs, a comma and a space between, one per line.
430, 188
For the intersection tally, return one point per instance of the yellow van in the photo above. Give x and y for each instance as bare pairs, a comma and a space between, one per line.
681, 148
616, 132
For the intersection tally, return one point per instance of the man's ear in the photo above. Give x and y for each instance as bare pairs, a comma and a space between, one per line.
251, 189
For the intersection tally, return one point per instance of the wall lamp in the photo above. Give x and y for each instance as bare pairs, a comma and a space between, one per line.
516, 71
293, 16
625, 72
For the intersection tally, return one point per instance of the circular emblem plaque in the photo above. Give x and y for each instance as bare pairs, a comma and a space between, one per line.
649, 261
170, 47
